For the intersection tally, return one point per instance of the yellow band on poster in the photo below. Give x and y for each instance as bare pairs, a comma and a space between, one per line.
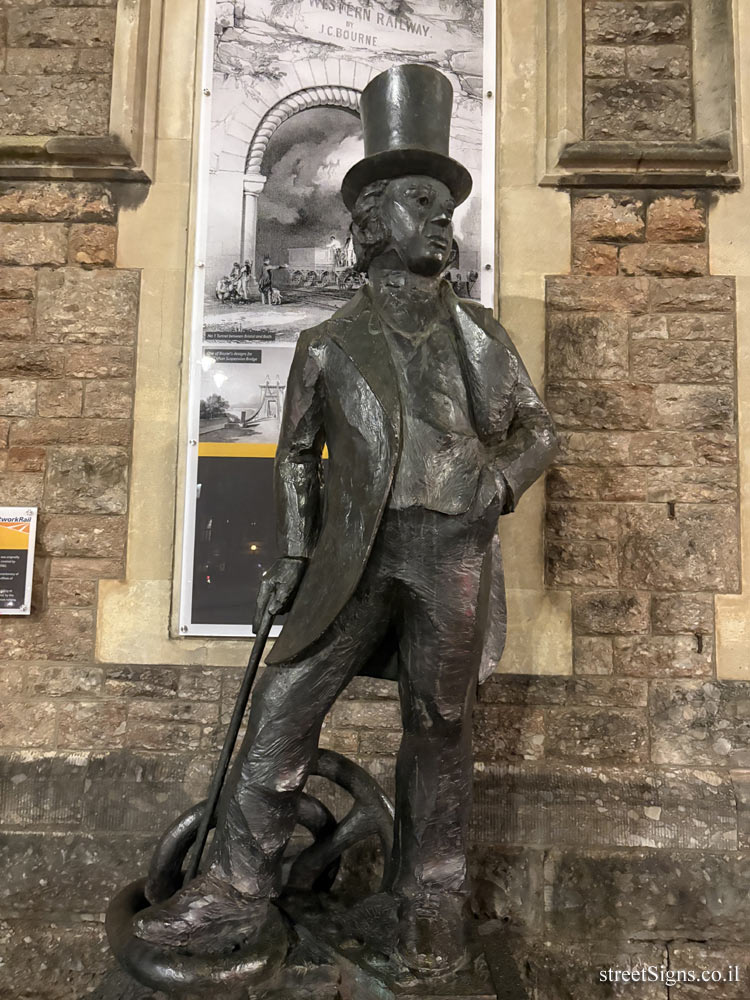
14, 537
216, 449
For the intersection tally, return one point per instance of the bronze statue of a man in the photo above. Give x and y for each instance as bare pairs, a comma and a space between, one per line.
391, 562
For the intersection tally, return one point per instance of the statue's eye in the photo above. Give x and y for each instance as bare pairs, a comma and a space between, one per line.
423, 200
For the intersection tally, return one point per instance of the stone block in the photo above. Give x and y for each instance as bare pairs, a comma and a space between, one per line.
741, 785
17, 397
92, 245
601, 735
603, 691
200, 683
581, 564
676, 219
56, 680
674, 448
638, 109
20, 488
658, 62
602, 612
628, 23
17, 282
25, 361
24, 975
55, 201
558, 970
594, 259
588, 807
711, 961
696, 550
85, 569
100, 362
694, 407
648, 328
664, 656
16, 319
25, 725
369, 741
593, 448
591, 521
701, 485
78, 873
347, 741
63, 398
604, 61
32, 243
682, 361
508, 886
675, 613
23, 460
138, 681
367, 715
12, 680
699, 895
82, 535
109, 398
616, 406
524, 689
70, 430
370, 689
42, 789
505, 733
91, 480
620, 217
53, 28
89, 725
55, 105
41, 62
71, 593
583, 346
577, 293
592, 655
579, 483
684, 260
89, 307
692, 295
702, 326
696, 723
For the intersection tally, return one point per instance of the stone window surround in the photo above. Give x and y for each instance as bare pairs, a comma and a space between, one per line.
128, 152
710, 161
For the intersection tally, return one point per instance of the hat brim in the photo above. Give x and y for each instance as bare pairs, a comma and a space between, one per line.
394, 163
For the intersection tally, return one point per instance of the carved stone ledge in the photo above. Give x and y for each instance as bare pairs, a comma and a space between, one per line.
68, 158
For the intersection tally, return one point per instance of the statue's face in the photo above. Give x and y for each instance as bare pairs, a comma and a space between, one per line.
418, 211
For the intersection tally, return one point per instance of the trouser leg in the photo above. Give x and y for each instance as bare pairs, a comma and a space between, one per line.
439, 653
258, 811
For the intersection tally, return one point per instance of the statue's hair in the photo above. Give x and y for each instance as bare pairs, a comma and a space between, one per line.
370, 234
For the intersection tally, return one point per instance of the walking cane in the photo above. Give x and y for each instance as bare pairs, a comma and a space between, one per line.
230, 741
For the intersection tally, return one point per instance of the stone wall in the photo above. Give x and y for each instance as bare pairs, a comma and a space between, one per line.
637, 74
55, 66
612, 808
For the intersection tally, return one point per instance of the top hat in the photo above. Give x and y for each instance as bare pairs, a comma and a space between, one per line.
406, 120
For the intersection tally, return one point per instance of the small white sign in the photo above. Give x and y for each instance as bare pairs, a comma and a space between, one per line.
17, 541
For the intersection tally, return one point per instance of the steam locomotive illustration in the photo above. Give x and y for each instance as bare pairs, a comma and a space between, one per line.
323, 267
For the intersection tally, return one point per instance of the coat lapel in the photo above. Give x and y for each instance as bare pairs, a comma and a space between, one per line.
488, 366
359, 335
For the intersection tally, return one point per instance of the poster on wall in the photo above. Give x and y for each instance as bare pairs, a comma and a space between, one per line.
17, 540
280, 128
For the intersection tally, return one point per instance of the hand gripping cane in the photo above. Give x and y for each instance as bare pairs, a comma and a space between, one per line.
230, 741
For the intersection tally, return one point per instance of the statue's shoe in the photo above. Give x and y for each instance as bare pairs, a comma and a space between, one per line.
434, 933
209, 917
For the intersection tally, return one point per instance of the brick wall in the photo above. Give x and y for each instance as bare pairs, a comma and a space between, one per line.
55, 66
637, 74
612, 815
